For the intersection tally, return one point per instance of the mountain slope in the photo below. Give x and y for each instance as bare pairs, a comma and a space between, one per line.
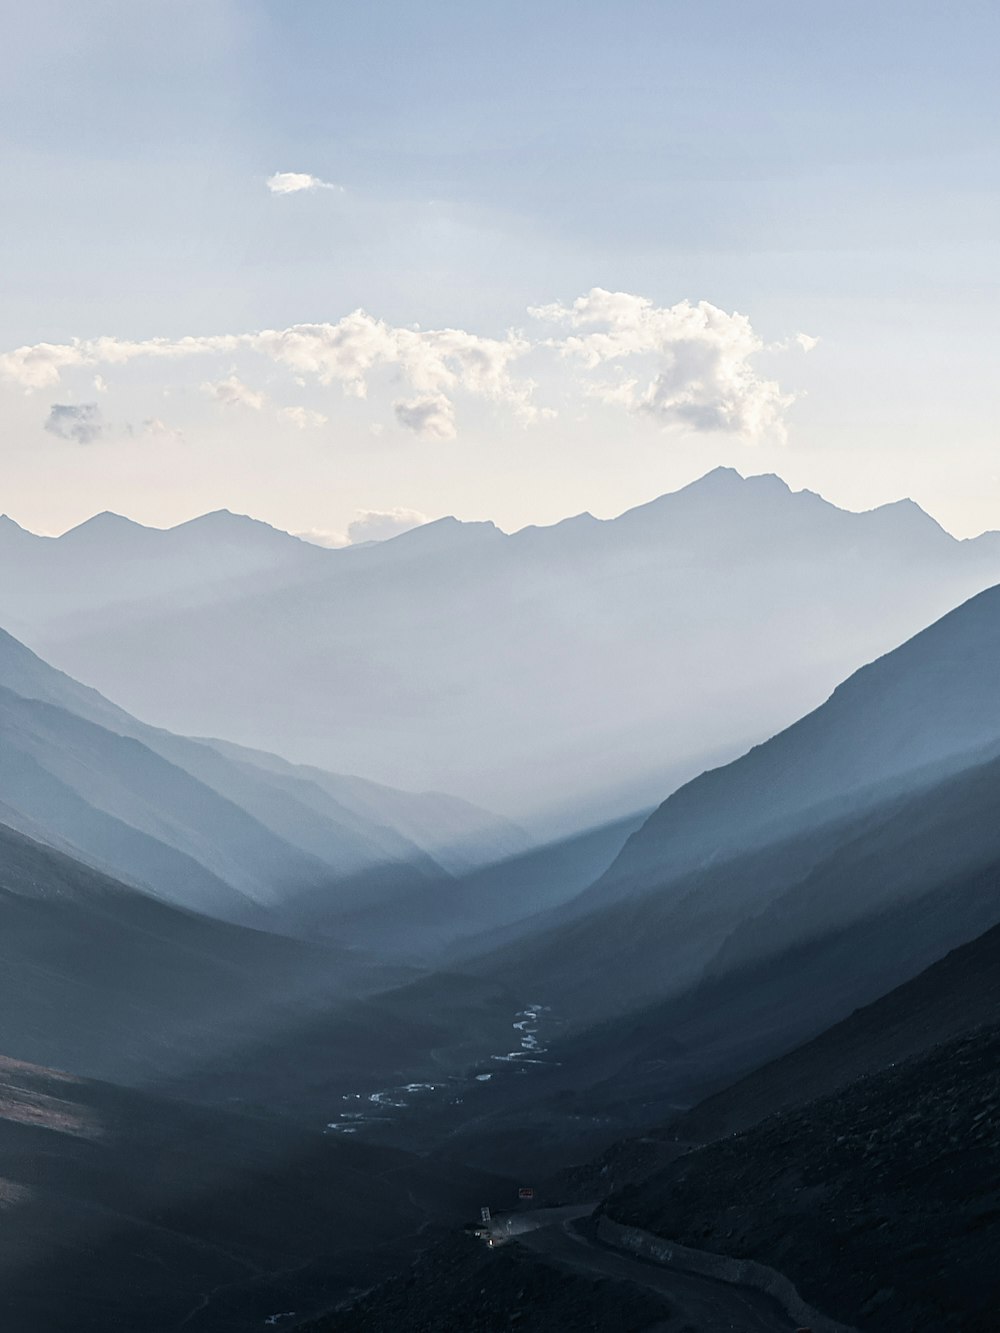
127, 1210
107, 981
959, 993
579, 670
215, 831
885, 791
739, 913
919, 710
879, 1202
97, 790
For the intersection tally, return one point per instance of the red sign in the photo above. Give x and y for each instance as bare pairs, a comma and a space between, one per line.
525, 1192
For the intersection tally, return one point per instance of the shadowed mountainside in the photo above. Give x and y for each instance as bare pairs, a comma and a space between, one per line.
128, 1210
886, 791
104, 980
880, 1201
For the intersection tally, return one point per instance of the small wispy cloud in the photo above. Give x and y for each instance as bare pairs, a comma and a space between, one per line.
302, 417
378, 525
432, 416
232, 392
322, 537
293, 182
81, 422
158, 429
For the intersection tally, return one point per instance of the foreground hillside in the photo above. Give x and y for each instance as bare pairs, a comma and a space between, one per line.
880, 1202
460, 1286
126, 1210
878, 1197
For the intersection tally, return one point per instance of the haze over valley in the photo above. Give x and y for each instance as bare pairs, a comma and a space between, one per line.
460, 658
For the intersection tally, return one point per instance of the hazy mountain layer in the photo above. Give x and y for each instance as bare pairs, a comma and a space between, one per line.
230, 833
586, 668
110, 560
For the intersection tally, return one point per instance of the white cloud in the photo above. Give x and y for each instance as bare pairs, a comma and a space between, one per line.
806, 341
159, 430
292, 182
81, 422
302, 417
685, 365
378, 525
434, 362
432, 416
232, 392
41, 366
322, 537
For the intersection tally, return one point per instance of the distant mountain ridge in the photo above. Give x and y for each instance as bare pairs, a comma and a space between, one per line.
110, 559
579, 670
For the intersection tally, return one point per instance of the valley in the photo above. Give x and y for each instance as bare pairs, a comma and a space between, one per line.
274, 1035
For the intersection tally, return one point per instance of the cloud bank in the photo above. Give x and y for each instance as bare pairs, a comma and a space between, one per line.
687, 367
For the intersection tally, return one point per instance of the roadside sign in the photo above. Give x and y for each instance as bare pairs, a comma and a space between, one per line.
486, 1216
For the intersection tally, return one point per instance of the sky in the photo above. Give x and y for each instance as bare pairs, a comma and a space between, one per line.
342, 266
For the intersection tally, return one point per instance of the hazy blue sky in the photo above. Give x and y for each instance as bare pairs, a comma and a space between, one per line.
826, 169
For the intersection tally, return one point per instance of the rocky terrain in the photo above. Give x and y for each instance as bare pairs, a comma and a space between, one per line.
460, 1286
880, 1201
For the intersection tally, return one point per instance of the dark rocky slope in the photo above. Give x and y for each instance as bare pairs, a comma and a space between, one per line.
460, 1286
880, 1201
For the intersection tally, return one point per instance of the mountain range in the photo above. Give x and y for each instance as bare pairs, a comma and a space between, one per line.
568, 675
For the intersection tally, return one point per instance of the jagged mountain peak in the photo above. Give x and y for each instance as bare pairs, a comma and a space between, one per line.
442, 533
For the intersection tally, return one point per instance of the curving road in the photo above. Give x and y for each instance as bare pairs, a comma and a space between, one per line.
698, 1304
